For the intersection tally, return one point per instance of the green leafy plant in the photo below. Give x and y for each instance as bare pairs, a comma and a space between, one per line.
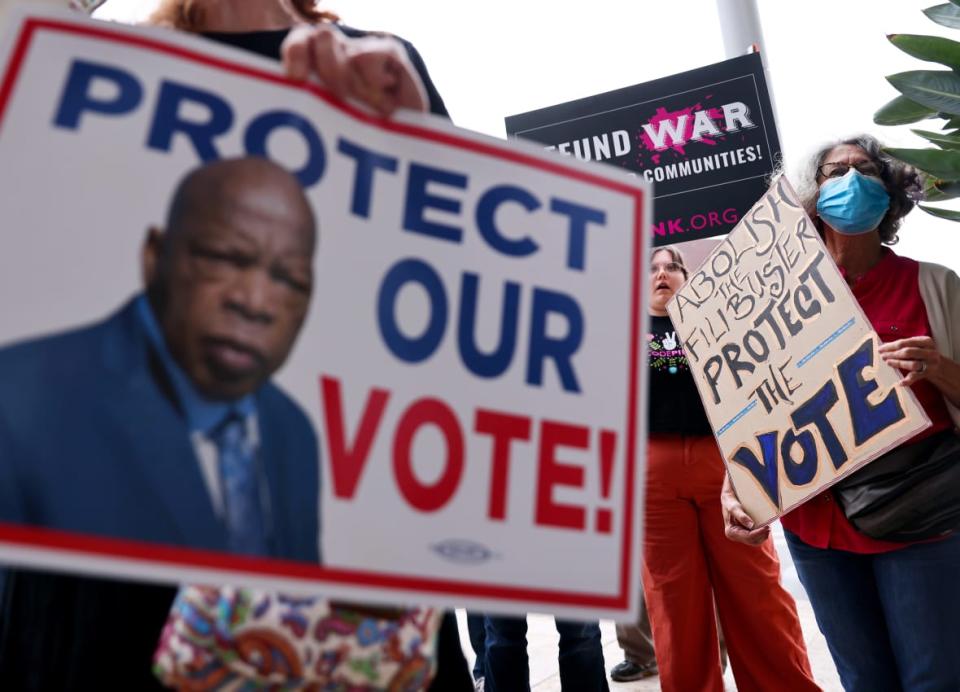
930, 94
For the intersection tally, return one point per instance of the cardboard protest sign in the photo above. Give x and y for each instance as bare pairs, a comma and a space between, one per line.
786, 362
467, 369
707, 139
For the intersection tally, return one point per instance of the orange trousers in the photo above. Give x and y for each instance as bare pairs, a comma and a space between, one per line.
689, 563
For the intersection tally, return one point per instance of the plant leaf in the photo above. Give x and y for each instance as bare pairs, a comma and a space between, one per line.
939, 190
936, 89
948, 214
931, 48
947, 14
944, 141
901, 111
948, 190
932, 194
943, 165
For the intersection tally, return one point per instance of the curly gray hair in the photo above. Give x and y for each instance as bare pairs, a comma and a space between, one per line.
901, 181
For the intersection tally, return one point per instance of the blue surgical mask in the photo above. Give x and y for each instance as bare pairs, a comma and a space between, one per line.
853, 204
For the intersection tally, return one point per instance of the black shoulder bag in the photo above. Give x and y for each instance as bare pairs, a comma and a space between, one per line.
911, 493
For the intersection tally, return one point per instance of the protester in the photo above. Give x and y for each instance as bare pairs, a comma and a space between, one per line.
889, 611
379, 70
688, 564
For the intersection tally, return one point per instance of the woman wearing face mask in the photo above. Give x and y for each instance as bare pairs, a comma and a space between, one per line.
889, 611
688, 563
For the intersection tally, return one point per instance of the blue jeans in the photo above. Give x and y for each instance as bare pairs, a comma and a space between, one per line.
891, 620
581, 656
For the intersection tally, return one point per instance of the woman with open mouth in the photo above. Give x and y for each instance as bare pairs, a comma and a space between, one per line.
688, 562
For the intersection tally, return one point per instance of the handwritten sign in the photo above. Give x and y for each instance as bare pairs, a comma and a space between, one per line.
786, 362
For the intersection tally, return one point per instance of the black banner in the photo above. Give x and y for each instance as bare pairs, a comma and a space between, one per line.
706, 139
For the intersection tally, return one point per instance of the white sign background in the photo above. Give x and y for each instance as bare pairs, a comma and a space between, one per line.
77, 203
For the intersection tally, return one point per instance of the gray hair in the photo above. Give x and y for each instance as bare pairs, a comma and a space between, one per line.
902, 182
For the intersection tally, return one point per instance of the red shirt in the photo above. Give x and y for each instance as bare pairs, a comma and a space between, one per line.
889, 294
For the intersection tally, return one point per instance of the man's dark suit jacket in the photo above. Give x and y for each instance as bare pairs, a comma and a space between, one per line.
92, 440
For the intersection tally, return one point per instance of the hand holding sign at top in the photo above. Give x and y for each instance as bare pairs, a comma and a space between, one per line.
786, 362
373, 69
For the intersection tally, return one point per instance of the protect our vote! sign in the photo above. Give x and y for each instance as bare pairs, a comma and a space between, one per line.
469, 362
786, 362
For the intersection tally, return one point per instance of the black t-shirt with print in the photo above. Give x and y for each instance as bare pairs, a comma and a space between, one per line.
674, 402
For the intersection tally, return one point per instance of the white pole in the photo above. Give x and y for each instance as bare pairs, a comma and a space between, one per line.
742, 33
740, 24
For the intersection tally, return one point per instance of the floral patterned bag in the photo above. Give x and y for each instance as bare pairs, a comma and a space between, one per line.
240, 639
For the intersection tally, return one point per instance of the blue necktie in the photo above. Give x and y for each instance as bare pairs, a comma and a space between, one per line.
241, 491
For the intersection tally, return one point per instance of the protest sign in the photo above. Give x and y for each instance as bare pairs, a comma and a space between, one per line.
468, 362
706, 138
786, 362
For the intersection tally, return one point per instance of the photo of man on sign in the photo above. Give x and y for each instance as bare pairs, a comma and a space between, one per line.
174, 403
160, 423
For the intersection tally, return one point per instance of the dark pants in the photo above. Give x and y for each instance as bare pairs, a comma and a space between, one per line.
891, 620
69, 632
580, 658
477, 629
452, 672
